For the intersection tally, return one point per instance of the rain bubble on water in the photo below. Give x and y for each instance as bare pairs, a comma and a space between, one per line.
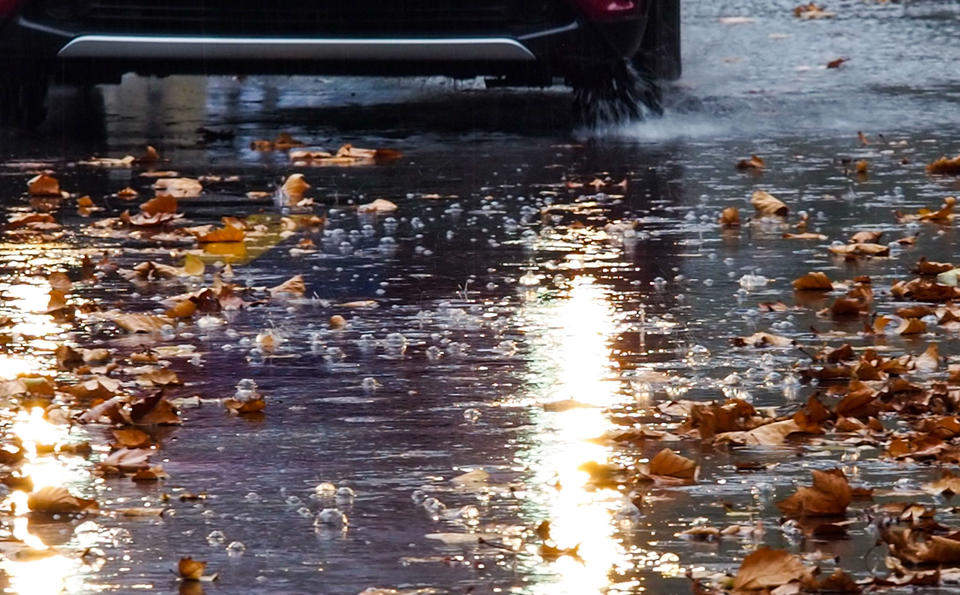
236, 548
330, 518
325, 490
471, 415
216, 537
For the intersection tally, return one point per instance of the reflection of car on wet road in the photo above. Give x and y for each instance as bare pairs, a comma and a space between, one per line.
514, 42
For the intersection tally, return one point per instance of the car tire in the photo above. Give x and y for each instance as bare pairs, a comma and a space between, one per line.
659, 53
23, 98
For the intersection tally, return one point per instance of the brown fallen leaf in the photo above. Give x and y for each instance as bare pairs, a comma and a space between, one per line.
57, 500
730, 217
136, 323
945, 166
43, 185
178, 187
182, 309
768, 205
132, 438
379, 205
809, 235
237, 407
944, 215
829, 495
836, 64
866, 237
669, 468
762, 339
154, 409
920, 548
293, 286
948, 484
810, 12
190, 569
861, 249
155, 473
124, 460
295, 186
163, 203
755, 163
771, 434
767, 568
813, 281
227, 233
337, 322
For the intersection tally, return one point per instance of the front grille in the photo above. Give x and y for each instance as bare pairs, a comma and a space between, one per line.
318, 17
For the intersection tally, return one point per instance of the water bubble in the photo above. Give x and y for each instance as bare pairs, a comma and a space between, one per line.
505, 348
236, 548
471, 415
434, 507
370, 384
325, 490
293, 501
366, 343
345, 495
434, 353
304, 512
529, 279
216, 537
659, 283
698, 355
751, 282
330, 518
418, 496
732, 379
395, 344
252, 497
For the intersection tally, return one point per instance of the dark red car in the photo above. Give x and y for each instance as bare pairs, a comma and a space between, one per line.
513, 42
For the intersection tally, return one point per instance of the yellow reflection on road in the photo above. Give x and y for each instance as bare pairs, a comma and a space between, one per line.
571, 359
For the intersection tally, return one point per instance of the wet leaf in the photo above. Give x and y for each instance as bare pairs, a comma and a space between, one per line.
182, 309
58, 500
295, 186
861, 249
190, 569
809, 235
247, 407
379, 205
815, 281
43, 185
132, 437
178, 187
755, 163
730, 217
193, 265
136, 323
944, 215
945, 166
768, 205
762, 339
770, 434
154, 409
163, 203
829, 495
836, 64
155, 473
125, 460
767, 568
227, 233
292, 286
669, 468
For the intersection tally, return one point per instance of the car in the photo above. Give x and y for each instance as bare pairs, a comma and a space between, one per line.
590, 44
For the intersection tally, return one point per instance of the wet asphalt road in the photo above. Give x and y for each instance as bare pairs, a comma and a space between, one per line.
494, 302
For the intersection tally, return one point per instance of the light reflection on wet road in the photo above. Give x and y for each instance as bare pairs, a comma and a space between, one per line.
556, 310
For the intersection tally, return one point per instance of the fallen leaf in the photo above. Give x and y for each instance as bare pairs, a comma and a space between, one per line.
755, 163
861, 249
768, 205
295, 186
669, 468
58, 500
730, 217
155, 473
227, 233
136, 323
762, 339
945, 166
814, 281
163, 203
132, 438
809, 235
829, 495
944, 215
379, 205
836, 64
767, 568
178, 187
43, 185
247, 407
190, 569
293, 285
771, 434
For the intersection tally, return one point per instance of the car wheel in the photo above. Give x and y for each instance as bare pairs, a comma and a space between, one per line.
659, 52
23, 99
615, 93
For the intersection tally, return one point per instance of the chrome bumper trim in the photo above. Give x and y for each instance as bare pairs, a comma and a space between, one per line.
175, 47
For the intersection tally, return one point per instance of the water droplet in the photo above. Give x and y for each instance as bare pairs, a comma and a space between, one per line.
471, 415
330, 518
216, 537
236, 548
